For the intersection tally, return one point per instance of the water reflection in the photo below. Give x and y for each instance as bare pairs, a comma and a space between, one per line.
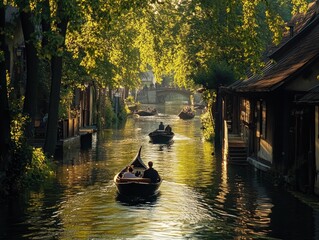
201, 197
137, 201
162, 147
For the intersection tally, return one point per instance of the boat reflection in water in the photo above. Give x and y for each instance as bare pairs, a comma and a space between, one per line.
137, 200
161, 147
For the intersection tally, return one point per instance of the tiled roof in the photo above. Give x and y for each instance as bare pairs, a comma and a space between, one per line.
305, 50
298, 22
311, 97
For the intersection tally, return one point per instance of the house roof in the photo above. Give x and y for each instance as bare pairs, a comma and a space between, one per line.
304, 52
297, 23
312, 97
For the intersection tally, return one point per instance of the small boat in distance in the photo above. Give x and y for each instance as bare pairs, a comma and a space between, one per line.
138, 187
186, 113
161, 136
147, 112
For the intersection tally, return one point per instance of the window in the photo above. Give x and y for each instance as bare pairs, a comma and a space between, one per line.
245, 110
263, 120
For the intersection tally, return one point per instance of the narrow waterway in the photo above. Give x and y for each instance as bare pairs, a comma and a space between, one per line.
201, 196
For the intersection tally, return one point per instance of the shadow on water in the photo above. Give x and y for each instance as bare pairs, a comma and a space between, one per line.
137, 200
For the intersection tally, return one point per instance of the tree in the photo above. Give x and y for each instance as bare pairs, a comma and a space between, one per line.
59, 29
5, 137
28, 21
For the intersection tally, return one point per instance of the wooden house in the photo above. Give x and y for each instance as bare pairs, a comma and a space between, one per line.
273, 112
309, 104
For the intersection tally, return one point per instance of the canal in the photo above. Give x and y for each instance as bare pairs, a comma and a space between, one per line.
201, 197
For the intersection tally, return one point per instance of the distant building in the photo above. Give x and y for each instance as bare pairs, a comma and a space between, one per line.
147, 79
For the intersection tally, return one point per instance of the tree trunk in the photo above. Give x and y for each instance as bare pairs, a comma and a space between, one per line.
4, 105
56, 76
32, 62
52, 125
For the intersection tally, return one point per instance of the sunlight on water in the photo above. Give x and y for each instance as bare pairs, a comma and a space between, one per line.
201, 196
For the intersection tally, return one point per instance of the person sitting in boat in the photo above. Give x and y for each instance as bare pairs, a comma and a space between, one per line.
151, 173
161, 126
129, 173
138, 173
168, 129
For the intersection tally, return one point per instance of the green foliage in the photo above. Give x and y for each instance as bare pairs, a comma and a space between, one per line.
107, 113
130, 105
110, 43
66, 100
122, 113
207, 126
207, 119
109, 117
130, 99
12, 180
18, 125
214, 75
39, 169
27, 165
299, 6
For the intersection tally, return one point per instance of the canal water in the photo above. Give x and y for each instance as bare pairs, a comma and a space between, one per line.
201, 197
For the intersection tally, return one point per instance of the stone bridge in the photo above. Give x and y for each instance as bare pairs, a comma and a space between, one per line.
163, 94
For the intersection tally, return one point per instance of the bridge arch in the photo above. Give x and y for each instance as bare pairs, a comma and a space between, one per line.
163, 94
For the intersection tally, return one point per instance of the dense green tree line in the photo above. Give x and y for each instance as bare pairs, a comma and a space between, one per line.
110, 42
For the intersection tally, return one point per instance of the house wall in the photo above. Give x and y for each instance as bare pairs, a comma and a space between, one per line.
270, 135
265, 151
316, 187
265, 143
257, 129
91, 100
274, 140
305, 81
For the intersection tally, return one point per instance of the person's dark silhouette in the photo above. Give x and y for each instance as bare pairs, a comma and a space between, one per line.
168, 129
161, 126
151, 173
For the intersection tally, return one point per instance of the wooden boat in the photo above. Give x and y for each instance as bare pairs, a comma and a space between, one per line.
186, 114
139, 186
149, 112
161, 136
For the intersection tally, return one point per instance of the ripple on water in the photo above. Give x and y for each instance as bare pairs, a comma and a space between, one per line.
201, 196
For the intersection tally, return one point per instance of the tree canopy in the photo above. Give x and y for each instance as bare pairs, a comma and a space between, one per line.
183, 38
111, 42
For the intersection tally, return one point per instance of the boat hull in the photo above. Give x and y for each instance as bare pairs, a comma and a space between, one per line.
161, 136
146, 113
137, 187
186, 115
